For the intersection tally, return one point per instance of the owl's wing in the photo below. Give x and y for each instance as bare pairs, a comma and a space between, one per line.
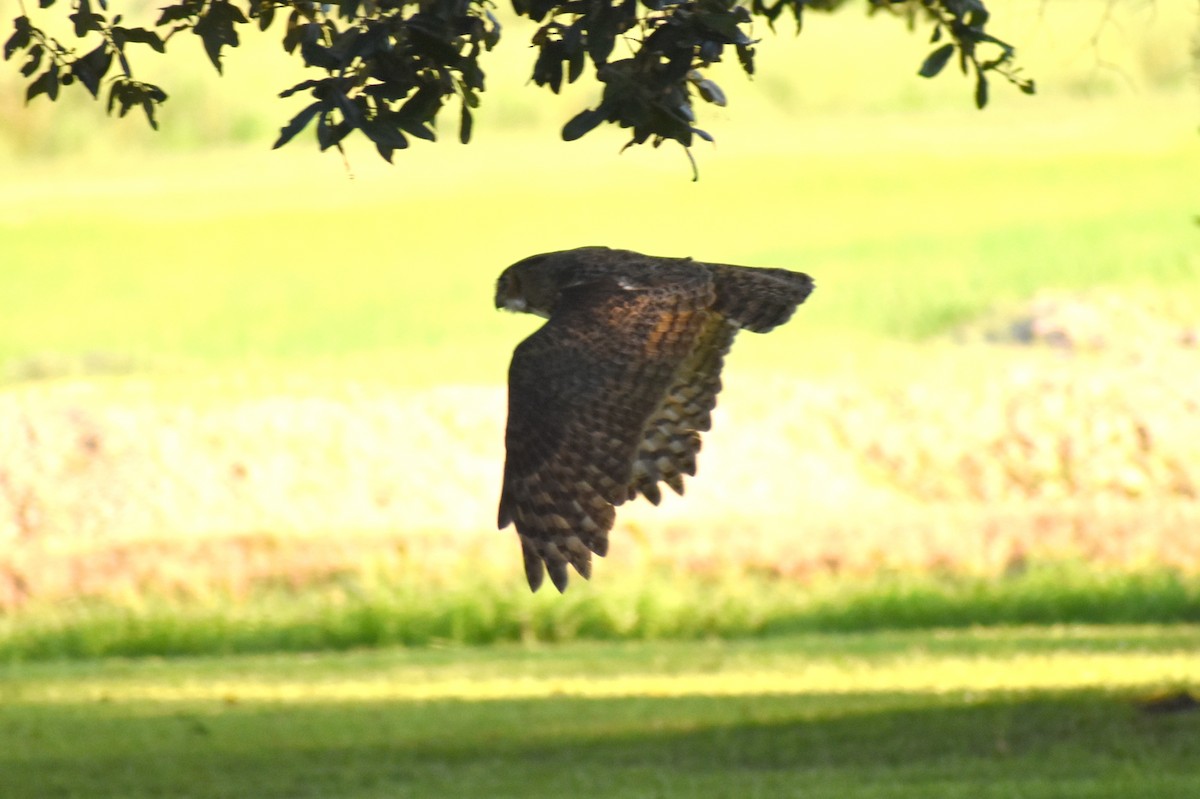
582, 391
671, 440
756, 298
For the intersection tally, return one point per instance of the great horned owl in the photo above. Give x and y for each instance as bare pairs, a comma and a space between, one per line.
609, 397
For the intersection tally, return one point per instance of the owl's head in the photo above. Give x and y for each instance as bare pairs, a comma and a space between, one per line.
533, 285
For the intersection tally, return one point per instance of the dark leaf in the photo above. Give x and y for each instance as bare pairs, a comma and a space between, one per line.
346, 45
116, 91
582, 123
141, 36
1028, 87
85, 21
977, 17
298, 123
745, 55
315, 55
149, 106
548, 69
575, 65
216, 29
299, 87
724, 24
419, 129
235, 13
492, 34
46, 83
92, 67
296, 28
176, 13
710, 92
465, 125
981, 91
600, 47
382, 132
266, 15
35, 60
129, 93
936, 61
331, 135
22, 34
421, 107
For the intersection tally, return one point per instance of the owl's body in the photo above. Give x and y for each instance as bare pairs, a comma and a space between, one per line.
609, 397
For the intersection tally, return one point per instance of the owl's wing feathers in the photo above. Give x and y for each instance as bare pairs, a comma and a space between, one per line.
756, 298
672, 438
583, 393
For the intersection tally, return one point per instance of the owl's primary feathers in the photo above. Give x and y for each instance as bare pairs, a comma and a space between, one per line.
609, 397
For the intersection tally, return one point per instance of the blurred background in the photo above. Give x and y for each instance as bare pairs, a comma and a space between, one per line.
253, 399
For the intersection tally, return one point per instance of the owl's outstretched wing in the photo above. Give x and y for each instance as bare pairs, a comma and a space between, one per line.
671, 440
583, 392
752, 298
758, 299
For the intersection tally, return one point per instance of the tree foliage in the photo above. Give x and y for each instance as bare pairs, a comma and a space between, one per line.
391, 67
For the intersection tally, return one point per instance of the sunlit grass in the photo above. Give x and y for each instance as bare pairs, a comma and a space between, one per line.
415, 610
1000, 712
166, 275
913, 210
1065, 657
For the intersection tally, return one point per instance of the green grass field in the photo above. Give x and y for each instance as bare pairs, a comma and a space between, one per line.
1030, 712
914, 211
197, 276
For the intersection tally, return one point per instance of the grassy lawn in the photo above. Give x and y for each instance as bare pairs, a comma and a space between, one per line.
197, 268
914, 211
251, 406
993, 713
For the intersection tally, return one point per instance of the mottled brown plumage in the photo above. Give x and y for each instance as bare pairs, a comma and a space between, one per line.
609, 398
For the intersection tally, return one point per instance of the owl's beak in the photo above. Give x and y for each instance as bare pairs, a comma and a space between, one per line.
505, 295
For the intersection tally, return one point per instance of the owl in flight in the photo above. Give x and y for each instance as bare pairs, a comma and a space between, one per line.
608, 398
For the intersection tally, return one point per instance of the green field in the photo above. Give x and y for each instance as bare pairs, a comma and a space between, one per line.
914, 211
251, 409
1038, 712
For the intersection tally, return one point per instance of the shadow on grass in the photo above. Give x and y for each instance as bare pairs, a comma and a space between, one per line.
1070, 744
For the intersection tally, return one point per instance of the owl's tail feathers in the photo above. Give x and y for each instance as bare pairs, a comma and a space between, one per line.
552, 557
758, 299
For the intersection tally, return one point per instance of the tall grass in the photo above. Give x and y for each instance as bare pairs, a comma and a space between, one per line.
360, 611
